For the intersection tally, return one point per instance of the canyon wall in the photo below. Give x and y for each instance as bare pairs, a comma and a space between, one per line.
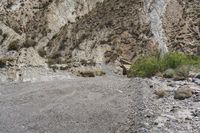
79, 34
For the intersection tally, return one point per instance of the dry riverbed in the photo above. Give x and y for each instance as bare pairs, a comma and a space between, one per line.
105, 104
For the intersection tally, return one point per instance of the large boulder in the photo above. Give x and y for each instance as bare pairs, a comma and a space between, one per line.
183, 93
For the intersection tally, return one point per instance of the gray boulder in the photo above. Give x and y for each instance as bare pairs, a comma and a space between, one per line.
183, 92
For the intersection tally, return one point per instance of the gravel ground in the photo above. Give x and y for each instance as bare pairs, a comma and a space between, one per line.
105, 104
95, 105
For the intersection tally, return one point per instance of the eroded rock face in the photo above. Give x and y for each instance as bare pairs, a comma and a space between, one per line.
181, 23
27, 22
113, 30
30, 17
41, 20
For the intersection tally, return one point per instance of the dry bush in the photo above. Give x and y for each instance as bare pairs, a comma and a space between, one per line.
160, 93
3, 61
14, 45
29, 43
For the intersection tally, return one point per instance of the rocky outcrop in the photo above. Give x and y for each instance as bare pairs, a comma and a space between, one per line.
26, 26
181, 24
111, 31
156, 10
106, 34
40, 20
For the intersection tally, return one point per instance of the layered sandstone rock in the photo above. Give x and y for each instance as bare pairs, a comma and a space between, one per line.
182, 25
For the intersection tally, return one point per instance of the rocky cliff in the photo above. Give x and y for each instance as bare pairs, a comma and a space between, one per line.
111, 31
90, 34
182, 25
26, 26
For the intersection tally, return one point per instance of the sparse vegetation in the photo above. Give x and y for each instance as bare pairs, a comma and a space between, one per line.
50, 62
119, 50
55, 36
169, 73
88, 62
87, 73
5, 35
91, 73
110, 56
182, 72
3, 61
144, 67
53, 61
60, 60
1, 32
14, 45
149, 66
42, 52
29, 43
100, 73
160, 93
56, 55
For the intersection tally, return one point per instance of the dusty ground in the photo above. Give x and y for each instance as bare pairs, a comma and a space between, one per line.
97, 105
73, 106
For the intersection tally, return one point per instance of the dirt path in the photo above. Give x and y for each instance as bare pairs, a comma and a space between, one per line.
95, 105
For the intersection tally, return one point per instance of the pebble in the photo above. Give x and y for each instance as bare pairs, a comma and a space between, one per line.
196, 80
196, 98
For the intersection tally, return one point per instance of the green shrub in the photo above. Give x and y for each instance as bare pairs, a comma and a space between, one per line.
173, 60
144, 67
195, 61
150, 65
